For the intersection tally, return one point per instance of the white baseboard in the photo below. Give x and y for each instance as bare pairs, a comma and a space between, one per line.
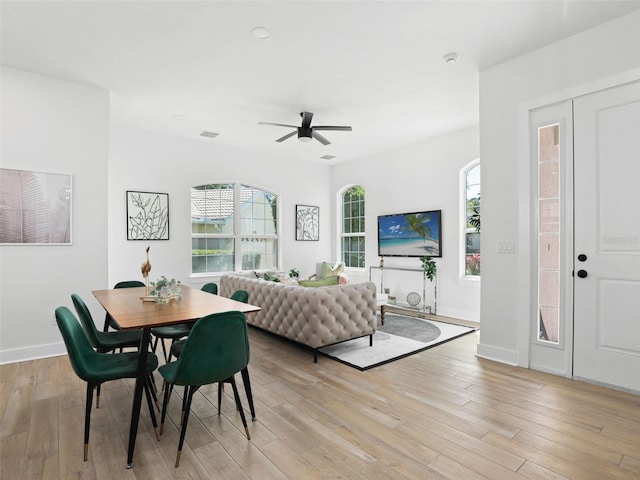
501, 355
32, 352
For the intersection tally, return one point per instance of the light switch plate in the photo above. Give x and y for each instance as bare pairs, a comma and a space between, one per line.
506, 246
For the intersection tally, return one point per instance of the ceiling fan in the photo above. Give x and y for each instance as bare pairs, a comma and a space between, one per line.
306, 132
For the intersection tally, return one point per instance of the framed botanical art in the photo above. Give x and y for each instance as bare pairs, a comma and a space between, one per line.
307, 223
147, 216
35, 208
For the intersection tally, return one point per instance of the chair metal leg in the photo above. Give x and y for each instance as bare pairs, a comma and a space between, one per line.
219, 396
247, 387
232, 381
191, 390
165, 402
184, 404
87, 419
152, 389
147, 391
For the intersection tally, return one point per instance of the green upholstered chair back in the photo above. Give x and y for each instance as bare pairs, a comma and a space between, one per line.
86, 320
81, 355
217, 347
129, 284
240, 296
210, 288
90, 365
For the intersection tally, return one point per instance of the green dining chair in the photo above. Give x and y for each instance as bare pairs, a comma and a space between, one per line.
176, 350
210, 288
96, 368
108, 319
240, 296
177, 333
215, 350
105, 342
169, 332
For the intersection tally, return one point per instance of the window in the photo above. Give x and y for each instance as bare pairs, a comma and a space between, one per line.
353, 227
233, 227
549, 233
471, 231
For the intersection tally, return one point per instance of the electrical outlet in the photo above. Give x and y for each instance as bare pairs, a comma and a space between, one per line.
53, 320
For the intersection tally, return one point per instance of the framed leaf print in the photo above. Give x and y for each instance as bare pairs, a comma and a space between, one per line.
147, 216
307, 223
35, 208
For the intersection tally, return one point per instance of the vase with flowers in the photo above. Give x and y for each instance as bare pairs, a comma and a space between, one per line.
165, 290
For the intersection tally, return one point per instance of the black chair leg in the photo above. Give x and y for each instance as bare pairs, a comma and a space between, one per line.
87, 419
232, 381
147, 391
191, 390
165, 402
247, 387
219, 396
152, 389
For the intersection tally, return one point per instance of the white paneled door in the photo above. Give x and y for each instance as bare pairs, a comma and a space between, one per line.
606, 330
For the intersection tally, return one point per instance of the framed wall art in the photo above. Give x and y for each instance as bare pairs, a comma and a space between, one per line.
147, 216
36, 208
307, 223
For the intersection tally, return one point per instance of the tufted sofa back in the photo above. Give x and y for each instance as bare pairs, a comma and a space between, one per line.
312, 316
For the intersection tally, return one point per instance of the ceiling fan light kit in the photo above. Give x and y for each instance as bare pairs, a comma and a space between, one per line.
306, 132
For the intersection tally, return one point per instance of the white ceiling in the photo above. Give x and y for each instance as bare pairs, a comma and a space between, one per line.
181, 67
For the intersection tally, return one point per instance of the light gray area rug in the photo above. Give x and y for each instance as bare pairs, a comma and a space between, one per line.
399, 337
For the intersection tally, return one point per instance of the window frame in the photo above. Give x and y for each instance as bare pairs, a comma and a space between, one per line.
238, 236
345, 235
464, 229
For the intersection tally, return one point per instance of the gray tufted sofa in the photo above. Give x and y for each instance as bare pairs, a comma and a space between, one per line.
315, 317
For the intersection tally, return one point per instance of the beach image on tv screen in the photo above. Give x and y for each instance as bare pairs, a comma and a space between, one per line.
409, 234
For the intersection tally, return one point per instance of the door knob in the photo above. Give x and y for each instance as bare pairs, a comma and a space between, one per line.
582, 273
582, 257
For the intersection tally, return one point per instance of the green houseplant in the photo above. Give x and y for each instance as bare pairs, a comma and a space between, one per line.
429, 269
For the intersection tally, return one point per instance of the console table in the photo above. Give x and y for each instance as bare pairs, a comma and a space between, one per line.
424, 308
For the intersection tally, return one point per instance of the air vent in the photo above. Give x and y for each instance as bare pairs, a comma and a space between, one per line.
209, 134
328, 157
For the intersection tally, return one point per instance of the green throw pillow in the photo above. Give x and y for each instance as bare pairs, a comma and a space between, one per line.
329, 270
319, 283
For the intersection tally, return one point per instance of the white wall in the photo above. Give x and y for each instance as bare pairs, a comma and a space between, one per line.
50, 125
599, 58
423, 176
150, 162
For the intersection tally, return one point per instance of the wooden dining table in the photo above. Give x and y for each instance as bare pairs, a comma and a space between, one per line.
129, 311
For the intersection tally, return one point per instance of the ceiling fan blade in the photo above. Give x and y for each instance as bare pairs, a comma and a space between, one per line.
288, 135
277, 124
333, 127
320, 138
306, 120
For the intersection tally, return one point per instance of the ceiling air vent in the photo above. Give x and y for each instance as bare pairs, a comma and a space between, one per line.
328, 157
209, 134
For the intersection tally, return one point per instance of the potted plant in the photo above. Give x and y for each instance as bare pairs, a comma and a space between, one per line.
429, 269
294, 273
165, 290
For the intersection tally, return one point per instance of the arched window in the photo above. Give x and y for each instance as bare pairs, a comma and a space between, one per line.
352, 244
233, 227
471, 219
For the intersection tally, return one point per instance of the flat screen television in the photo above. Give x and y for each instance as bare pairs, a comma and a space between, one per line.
410, 234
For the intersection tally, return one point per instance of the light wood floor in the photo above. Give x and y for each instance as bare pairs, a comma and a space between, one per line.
441, 414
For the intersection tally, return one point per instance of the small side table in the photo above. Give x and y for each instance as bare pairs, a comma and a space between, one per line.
381, 302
